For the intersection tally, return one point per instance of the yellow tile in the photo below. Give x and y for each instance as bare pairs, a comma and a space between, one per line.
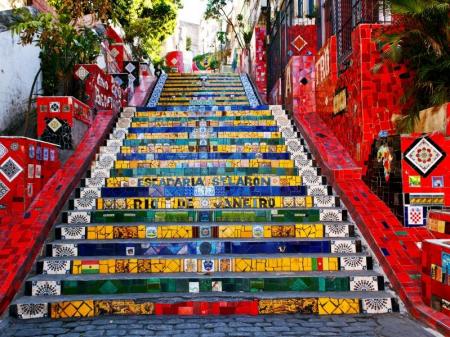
76, 267
73, 309
338, 306
307, 264
92, 233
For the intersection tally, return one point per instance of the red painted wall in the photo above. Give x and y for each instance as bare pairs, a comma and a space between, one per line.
372, 97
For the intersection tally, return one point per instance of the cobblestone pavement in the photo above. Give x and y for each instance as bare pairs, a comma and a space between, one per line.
395, 325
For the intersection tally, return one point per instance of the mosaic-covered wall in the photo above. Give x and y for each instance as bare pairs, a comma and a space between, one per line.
435, 274
358, 102
410, 174
258, 72
384, 173
425, 175
25, 166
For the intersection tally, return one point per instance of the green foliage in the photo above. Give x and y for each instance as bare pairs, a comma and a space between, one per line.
222, 37
247, 37
188, 43
62, 46
217, 10
421, 39
148, 24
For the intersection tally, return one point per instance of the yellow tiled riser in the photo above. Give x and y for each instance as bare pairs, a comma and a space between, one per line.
321, 306
147, 181
286, 264
205, 202
186, 232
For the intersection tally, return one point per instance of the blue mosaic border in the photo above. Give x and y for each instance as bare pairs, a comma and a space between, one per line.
253, 100
157, 91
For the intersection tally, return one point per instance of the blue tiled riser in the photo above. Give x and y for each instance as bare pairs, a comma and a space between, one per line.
200, 191
207, 248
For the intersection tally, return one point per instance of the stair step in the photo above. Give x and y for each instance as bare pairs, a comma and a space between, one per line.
204, 231
204, 304
208, 263
227, 284
205, 202
166, 231
147, 247
213, 208
234, 215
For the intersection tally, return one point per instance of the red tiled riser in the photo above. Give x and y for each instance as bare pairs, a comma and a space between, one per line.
394, 245
208, 308
24, 238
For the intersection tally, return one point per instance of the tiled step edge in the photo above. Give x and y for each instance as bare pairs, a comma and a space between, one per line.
27, 235
373, 217
193, 304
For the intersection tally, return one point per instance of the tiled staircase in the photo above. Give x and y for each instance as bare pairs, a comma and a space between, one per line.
204, 203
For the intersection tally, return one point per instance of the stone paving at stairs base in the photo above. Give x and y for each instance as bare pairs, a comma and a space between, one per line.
387, 325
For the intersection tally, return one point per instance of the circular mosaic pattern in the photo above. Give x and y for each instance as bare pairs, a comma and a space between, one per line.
105, 162
33, 310
90, 194
65, 250
301, 159
354, 262
317, 191
363, 284
79, 218
337, 230
73, 231
294, 145
124, 123
310, 177
324, 201
113, 149
99, 174
283, 121
288, 132
127, 114
329, 216
377, 304
119, 134
85, 203
14, 146
46, 289
56, 266
342, 247
96, 181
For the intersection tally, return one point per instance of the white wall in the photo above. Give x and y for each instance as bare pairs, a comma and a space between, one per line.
7, 4
18, 67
